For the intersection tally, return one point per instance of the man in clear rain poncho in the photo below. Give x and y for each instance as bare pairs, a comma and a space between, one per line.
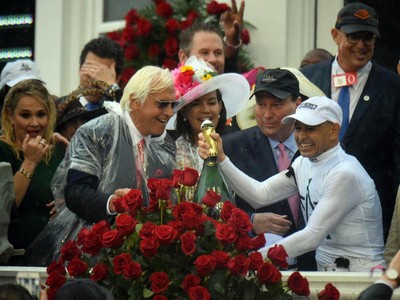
110, 155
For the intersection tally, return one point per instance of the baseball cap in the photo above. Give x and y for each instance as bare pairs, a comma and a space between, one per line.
16, 71
357, 17
83, 288
315, 111
280, 83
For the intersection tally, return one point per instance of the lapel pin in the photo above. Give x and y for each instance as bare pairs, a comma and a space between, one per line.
366, 98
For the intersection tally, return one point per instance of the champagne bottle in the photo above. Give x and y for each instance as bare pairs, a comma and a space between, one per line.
211, 177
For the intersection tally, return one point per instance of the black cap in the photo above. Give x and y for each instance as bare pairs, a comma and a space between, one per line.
280, 83
356, 17
83, 288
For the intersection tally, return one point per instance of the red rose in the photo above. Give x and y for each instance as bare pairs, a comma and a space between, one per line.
81, 236
172, 25
131, 17
298, 284
226, 211
188, 242
162, 188
240, 221
56, 267
131, 52
126, 75
259, 241
176, 177
189, 177
239, 265
225, 233
268, 273
160, 297
125, 224
132, 270
144, 27
180, 209
77, 267
99, 272
190, 281
164, 10
244, 242
112, 239
120, 261
176, 224
114, 35
212, 7
199, 293
149, 247
91, 244
132, 201
256, 259
55, 279
171, 46
128, 35
153, 51
245, 37
147, 230
165, 234
169, 63
278, 255
51, 293
69, 250
211, 198
101, 227
205, 264
190, 219
329, 293
159, 282
221, 258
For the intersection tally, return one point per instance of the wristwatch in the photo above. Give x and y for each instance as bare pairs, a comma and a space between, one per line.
393, 274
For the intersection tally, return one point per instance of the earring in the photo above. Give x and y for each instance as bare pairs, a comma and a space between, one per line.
184, 119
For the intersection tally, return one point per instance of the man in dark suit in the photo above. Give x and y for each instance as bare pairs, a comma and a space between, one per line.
255, 150
369, 95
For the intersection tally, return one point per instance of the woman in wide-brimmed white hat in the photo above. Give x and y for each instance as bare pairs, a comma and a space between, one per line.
203, 95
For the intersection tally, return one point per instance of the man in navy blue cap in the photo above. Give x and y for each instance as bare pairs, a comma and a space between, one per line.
369, 96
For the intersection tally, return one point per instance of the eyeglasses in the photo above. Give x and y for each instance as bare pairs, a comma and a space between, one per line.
367, 37
163, 104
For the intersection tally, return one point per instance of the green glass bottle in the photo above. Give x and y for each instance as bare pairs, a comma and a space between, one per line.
211, 177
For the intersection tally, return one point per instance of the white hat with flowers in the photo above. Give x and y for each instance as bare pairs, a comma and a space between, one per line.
195, 79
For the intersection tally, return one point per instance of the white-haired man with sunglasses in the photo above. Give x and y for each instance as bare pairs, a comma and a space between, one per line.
110, 155
369, 96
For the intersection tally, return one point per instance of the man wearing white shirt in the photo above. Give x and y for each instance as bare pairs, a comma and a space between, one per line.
339, 202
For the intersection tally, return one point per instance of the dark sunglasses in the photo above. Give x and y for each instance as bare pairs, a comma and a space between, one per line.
367, 37
164, 104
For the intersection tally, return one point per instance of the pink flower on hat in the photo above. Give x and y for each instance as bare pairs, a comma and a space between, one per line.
190, 75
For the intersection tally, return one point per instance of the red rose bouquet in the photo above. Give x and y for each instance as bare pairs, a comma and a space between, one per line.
172, 249
150, 35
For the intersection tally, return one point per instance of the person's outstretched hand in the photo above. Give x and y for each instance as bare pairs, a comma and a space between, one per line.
232, 23
204, 148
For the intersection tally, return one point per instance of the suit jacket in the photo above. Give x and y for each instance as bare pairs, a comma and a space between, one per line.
373, 135
377, 291
250, 151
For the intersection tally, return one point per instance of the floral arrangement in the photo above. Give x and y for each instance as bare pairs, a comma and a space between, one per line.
176, 251
194, 72
150, 35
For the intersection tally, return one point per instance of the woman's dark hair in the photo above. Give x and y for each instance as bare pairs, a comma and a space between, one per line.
183, 127
14, 292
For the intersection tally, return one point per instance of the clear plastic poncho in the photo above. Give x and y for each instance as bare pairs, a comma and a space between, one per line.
102, 147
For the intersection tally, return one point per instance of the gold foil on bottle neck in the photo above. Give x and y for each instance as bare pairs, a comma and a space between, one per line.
207, 129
